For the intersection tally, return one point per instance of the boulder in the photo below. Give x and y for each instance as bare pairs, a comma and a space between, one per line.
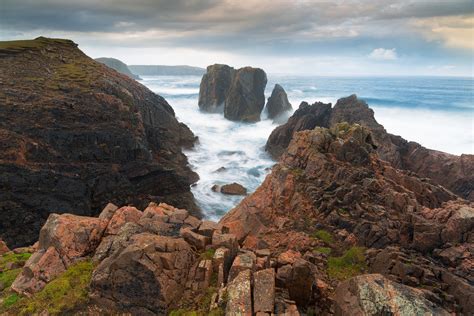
239, 294
246, 96
214, 88
145, 277
230, 189
373, 294
198, 241
264, 291
3, 247
64, 240
278, 103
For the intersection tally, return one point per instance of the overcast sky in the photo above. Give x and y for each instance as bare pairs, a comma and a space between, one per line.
355, 37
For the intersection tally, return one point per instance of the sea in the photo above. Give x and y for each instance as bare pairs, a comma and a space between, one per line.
437, 112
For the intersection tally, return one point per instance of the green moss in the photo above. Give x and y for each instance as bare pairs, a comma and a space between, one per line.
208, 254
323, 235
14, 258
11, 300
66, 292
325, 250
350, 264
183, 312
7, 277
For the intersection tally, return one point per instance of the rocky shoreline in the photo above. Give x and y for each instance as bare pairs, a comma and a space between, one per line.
351, 220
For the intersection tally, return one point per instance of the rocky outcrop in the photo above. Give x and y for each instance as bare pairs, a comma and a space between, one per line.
278, 104
331, 192
373, 294
3, 247
238, 93
118, 65
453, 172
76, 134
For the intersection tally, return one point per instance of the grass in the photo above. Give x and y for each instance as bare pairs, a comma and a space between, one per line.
323, 235
208, 254
350, 264
325, 250
65, 293
11, 300
7, 277
14, 258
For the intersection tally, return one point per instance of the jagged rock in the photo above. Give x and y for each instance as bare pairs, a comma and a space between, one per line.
108, 211
278, 103
76, 135
121, 216
264, 291
145, 277
222, 261
214, 88
373, 294
453, 172
3, 247
239, 294
63, 240
225, 240
305, 118
239, 93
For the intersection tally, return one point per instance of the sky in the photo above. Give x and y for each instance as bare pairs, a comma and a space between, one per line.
309, 37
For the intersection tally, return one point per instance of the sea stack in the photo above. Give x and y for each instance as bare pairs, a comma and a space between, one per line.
278, 103
240, 93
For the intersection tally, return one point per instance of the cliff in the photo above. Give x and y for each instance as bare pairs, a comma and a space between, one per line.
117, 65
162, 70
76, 134
456, 173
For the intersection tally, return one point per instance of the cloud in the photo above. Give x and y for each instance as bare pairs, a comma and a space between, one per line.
384, 54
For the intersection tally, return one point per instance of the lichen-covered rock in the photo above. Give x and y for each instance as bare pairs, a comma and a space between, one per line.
373, 294
278, 103
264, 291
239, 294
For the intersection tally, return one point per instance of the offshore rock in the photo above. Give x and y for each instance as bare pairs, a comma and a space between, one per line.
238, 93
278, 103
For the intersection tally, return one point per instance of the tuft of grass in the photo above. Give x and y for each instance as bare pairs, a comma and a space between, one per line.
11, 300
65, 293
323, 235
350, 264
325, 250
7, 277
208, 254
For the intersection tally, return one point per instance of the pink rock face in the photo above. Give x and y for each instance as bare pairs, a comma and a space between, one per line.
121, 216
239, 294
3, 247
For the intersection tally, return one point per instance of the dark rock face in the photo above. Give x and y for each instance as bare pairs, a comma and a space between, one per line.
278, 103
238, 93
453, 172
75, 135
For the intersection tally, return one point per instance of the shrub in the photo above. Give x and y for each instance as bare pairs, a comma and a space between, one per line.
323, 235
